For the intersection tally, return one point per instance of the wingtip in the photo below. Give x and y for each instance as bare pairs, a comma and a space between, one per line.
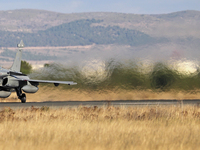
74, 83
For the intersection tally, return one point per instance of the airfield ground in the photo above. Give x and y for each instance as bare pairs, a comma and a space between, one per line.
106, 127
58, 94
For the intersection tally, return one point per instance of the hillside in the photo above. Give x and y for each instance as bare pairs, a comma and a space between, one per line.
80, 32
156, 36
27, 20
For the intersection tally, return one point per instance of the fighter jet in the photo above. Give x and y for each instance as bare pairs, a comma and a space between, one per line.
12, 80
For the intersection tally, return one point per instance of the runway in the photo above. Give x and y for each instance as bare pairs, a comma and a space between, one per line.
65, 104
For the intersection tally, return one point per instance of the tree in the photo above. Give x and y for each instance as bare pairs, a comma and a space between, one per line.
162, 77
26, 68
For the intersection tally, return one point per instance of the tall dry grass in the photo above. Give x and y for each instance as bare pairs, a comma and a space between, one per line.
110, 127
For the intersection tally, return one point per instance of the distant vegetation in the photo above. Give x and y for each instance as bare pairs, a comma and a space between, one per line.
80, 32
26, 68
122, 76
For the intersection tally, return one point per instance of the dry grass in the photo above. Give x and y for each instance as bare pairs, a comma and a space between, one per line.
58, 94
101, 128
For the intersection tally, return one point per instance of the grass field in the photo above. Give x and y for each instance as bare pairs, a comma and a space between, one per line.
156, 127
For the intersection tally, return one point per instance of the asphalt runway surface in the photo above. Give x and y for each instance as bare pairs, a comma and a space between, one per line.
116, 103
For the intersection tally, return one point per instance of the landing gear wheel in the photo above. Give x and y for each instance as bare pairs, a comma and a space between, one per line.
23, 98
20, 95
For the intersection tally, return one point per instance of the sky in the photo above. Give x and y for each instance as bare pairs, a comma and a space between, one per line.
122, 6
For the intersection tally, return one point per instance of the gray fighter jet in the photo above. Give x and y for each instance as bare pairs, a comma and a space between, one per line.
12, 80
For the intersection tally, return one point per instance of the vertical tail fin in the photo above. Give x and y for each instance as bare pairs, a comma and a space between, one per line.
17, 62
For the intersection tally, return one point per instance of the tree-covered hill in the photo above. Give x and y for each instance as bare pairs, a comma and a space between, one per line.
80, 32
42, 28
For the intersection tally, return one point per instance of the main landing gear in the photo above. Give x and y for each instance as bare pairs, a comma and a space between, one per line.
21, 95
23, 98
